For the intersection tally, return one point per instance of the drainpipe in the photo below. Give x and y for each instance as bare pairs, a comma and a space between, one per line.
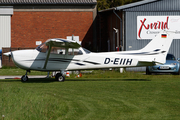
120, 30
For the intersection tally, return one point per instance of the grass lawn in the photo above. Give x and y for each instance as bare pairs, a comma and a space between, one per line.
102, 95
18, 71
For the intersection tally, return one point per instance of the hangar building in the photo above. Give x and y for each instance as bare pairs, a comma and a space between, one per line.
24, 23
28, 23
132, 26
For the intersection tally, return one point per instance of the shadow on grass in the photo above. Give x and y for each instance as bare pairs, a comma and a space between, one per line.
31, 80
104, 79
50, 80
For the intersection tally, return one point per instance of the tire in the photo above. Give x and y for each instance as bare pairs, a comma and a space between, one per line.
178, 73
59, 77
24, 78
147, 71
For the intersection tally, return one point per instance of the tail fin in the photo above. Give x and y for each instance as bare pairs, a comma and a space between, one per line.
159, 47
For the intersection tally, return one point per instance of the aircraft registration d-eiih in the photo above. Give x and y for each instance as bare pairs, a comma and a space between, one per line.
67, 55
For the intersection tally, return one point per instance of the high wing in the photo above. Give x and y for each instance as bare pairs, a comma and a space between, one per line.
58, 42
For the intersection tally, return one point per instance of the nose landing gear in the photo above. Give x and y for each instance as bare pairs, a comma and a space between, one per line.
24, 78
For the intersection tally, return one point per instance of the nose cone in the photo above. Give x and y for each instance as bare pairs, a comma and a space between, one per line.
23, 58
7, 54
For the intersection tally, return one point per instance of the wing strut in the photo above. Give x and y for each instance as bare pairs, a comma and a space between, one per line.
47, 57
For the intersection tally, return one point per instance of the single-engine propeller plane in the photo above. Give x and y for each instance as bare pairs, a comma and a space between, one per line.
62, 55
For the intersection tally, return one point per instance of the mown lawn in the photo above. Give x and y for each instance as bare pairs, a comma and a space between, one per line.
102, 95
18, 71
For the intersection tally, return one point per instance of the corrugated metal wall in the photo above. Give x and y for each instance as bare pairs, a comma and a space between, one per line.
159, 8
5, 31
160, 5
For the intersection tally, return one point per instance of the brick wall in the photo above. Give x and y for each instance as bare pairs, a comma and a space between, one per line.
29, 27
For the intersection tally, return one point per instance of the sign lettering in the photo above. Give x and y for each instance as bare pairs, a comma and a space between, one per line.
149, 26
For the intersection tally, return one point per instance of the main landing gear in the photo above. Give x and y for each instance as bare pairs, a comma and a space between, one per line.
59, 76
24, 78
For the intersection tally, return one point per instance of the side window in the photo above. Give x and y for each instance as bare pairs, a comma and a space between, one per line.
79, 52
87, 51
74, 52
58, 50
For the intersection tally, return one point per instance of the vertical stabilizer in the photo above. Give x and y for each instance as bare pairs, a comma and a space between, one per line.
159, 46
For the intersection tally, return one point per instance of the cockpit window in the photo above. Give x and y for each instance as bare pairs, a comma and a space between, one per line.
74, 52
87, 51
80, 52
57, 50
42, 48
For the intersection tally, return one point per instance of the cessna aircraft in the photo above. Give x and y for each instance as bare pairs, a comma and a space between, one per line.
66, 55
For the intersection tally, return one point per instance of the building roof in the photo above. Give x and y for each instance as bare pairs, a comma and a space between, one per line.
135, 4
129, 5
48, 2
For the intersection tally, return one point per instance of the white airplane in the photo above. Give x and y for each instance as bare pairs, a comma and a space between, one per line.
66, 55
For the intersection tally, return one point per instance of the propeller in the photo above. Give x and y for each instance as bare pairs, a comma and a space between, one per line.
8, 54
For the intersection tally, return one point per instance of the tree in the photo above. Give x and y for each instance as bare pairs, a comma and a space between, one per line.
105, 4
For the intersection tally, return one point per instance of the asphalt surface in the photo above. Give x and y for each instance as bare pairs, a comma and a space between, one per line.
19, 77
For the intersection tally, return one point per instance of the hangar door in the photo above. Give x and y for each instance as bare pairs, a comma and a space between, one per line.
5, 31
5, 26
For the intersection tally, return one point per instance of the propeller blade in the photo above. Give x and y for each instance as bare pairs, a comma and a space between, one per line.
10, 54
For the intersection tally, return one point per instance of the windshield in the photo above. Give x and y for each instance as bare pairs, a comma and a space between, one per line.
170, 57
42, 48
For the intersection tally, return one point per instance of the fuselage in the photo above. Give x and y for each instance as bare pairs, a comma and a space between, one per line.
35, 60
61, 54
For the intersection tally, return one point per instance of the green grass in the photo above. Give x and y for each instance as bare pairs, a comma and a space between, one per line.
102, 95
18, 71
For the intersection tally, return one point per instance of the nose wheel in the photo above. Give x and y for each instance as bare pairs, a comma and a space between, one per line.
24, 78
